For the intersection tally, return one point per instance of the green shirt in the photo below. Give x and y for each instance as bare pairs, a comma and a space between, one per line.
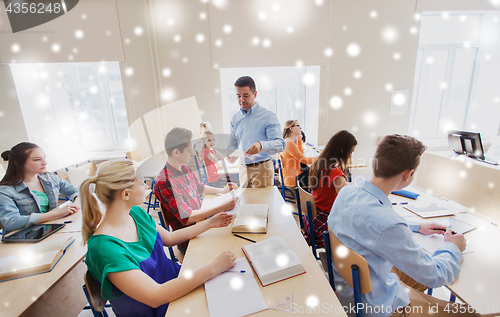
44, 201
107, 254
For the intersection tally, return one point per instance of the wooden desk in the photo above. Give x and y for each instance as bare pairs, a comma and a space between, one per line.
477, 284
469, 182
57, 293
312, 287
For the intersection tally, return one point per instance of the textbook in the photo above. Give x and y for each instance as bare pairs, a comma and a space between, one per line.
273, 261
38, 258
251, 219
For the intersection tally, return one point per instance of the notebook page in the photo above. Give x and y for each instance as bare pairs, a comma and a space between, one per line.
234, 294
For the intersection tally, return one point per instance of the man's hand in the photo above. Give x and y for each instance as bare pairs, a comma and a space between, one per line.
231, 159
254, 149
457, 239
429, 228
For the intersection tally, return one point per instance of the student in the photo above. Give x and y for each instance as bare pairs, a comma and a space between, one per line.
28, 193
362, 218
125, 251
293, 156
178, 189
211, 157
327, 177
255, 130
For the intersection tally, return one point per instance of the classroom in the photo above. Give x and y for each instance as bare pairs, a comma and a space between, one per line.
98, 81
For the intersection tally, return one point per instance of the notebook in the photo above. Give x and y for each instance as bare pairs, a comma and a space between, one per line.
429, 210
234, 294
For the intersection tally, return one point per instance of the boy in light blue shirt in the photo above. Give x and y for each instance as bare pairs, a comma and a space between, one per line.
363, 220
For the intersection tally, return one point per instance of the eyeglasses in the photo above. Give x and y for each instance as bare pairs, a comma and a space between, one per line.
295, 125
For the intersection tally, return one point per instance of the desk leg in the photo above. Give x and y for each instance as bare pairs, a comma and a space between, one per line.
65, 298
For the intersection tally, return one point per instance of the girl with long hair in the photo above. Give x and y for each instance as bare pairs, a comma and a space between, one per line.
28, 193
327, 177
293, 156
125, 246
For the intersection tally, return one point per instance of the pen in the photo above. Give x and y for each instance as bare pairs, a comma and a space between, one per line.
452, 232
244, 238
402, 203
69, 221
236, 271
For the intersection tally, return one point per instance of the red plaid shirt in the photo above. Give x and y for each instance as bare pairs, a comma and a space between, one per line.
178, 192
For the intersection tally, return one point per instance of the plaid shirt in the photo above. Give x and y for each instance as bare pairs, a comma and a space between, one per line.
178, 192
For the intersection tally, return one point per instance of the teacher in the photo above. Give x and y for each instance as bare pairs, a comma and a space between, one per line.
255, 130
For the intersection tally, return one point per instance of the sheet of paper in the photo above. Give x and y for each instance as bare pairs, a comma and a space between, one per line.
432, 242
225, 197
234, 294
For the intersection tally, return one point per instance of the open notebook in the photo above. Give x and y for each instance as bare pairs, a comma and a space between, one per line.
273, 261
38, 258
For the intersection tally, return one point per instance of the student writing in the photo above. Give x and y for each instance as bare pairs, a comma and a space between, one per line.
125, 251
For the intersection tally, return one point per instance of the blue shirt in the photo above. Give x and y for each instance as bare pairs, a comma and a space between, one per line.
256, 125
363, 220
20, 207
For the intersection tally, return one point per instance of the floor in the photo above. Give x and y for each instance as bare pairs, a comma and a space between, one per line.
441, 293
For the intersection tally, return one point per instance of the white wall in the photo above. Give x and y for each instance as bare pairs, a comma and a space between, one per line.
192, 74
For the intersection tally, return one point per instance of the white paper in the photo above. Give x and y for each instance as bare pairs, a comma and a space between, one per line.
432, 242
234, 294
225, 197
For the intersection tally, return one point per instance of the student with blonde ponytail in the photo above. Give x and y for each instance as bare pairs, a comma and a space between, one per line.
125, 246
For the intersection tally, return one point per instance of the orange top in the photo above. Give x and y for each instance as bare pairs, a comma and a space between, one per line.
291, 159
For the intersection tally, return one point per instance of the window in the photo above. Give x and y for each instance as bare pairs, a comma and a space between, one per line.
451, 62
292, 93
73, 108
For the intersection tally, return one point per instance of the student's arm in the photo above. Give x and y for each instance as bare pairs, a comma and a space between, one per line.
139, 286
202, 214
178, 236
11, 218
210, 156
295, 152
397, 245
215, 190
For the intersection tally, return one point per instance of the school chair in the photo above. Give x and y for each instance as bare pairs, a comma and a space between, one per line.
163, 223
284, 189
93, 293
202, 164
152, 195
306, 203
351, 266
134, 155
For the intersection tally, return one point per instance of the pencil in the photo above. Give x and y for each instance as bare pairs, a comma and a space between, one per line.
244, 238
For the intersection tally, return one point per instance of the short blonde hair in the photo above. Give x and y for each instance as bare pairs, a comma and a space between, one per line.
112, 177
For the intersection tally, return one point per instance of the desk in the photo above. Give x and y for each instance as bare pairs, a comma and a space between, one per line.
310, 287
477, 284
57, 293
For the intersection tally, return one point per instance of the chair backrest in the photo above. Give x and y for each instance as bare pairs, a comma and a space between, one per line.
134, 155
94, 292
344, 258
77, 175
305, 197
164, 224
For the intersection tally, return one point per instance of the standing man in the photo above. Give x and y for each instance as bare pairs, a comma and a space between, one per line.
257, 132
